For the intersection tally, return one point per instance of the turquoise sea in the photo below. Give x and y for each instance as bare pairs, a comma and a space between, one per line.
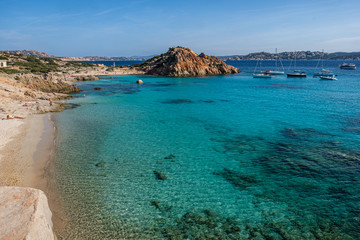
221, 157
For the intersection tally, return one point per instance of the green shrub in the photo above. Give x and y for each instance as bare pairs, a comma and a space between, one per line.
9, 71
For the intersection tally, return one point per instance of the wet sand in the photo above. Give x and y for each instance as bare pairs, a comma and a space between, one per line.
27, 149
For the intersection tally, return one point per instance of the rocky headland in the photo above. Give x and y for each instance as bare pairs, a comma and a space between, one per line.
183, 62
29, 82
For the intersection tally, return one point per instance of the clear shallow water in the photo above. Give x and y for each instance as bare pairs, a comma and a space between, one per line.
242, 157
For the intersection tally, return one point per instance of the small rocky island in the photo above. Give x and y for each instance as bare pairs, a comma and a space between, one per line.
183, 62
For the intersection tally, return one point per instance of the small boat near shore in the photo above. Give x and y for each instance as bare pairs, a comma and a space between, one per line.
331, 78
348, 66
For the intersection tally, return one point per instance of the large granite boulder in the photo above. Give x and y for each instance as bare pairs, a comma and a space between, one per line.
183, 62
24, 214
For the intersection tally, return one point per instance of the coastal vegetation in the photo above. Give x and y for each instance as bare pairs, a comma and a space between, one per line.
18, 63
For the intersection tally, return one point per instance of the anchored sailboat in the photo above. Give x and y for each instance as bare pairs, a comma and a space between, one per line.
323, 72
275, 71
261, 74
296, 73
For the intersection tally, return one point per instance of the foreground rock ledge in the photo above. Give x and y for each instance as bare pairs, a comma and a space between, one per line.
24, 214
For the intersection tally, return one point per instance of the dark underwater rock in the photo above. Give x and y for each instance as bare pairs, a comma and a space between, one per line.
100, 164
171, 156
159, 206
97, 88
70, 105
160, 175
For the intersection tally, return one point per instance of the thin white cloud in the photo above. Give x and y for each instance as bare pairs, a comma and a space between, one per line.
12, 35
343, 40
105, 12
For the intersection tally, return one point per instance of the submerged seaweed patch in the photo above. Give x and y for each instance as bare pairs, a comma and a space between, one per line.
351, 125
239, 144
304, 133
201, 225
237, 179
177, 101
207, 101
302, 163
281, 86
113, 89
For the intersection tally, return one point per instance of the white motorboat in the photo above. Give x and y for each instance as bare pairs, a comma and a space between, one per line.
261, 75
332, 78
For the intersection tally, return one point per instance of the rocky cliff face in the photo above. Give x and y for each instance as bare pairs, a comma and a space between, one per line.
183, 62
51, 82
24, 214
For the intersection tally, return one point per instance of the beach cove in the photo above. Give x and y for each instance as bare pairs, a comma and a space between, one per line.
245, 158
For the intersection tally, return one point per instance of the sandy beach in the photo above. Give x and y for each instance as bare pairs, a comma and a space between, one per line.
19, 142
26, 156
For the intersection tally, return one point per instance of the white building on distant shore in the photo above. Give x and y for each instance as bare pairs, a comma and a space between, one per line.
3, 63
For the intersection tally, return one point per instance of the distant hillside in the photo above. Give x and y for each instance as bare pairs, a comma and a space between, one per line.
345, 55
32, 53
183, 62
301, 55
97, 58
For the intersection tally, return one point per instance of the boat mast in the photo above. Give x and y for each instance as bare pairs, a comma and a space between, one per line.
295, 61
275, 59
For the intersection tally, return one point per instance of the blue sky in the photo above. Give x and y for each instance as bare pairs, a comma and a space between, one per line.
146, 27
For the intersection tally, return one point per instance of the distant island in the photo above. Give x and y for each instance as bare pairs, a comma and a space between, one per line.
301, 55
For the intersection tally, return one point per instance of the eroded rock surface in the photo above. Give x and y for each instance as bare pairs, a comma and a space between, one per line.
24, 214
